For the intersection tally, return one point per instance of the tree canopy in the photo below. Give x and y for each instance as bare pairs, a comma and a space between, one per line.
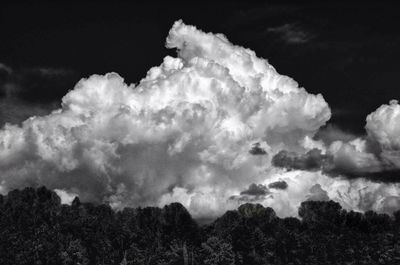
35, 228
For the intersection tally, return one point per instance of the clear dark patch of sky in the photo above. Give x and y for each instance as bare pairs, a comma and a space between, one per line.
347, 52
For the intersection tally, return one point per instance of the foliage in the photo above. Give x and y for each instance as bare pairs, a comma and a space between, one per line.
35, 228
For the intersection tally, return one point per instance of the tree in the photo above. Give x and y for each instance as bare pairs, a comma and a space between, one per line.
36, 229
74, 254
217, 252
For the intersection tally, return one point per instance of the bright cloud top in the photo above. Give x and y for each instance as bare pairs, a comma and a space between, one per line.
183, 133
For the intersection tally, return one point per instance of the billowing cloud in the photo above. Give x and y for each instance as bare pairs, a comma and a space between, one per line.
185, 133
375, 156
377, 153
383, 126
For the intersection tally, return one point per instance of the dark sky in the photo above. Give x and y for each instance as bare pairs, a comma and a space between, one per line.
348, 52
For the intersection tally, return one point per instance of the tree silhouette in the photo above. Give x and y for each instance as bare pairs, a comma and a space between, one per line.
35, 228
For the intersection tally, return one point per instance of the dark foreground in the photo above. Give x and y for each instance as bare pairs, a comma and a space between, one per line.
36, 229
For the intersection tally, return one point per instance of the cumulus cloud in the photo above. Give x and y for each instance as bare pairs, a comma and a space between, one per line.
185, 133
383, 126
375, 156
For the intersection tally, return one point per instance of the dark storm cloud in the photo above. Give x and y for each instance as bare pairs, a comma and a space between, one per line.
256, 190
31, 91
279, 185
312, 160
257, 150
389, 176
254, 193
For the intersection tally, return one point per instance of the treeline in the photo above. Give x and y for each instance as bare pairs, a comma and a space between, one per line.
35, 228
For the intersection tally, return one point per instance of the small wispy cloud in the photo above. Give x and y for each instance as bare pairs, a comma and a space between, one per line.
291, 33
31, 91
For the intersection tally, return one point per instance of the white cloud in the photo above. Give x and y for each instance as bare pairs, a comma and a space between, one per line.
376, 152
182, 134
65, 196
291, 33
383, 126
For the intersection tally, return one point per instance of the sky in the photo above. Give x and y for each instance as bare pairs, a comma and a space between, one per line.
346, 53
350, 58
